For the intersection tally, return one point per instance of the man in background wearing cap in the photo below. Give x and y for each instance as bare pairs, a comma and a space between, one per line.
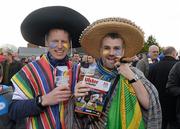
43, 87
132, 101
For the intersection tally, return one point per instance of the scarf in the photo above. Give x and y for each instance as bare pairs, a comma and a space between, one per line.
105, 73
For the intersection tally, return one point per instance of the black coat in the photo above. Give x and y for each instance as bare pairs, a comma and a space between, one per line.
14, 67
173, 87
158, 75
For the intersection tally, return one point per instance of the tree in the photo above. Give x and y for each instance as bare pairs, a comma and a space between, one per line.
150, 41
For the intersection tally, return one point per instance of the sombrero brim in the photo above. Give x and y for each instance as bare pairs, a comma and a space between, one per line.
39, 22
92, 36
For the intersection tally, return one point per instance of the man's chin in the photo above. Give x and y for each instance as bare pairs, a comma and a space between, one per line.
109, 66
58, 57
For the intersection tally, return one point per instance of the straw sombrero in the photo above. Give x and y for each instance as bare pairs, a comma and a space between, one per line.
132, 35
39, 22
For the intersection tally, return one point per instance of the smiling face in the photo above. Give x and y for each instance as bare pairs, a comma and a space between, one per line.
58, 43
110, 49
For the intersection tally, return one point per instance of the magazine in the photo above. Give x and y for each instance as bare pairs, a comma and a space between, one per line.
93, 103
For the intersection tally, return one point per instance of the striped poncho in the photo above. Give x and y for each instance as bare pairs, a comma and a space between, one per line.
37, 78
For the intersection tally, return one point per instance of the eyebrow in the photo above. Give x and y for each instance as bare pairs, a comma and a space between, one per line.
113, 46
56, 40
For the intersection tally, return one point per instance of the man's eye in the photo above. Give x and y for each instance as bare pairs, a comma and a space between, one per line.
106, 48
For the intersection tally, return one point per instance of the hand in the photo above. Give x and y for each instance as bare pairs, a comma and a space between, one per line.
81, 90
57, 95
124, 69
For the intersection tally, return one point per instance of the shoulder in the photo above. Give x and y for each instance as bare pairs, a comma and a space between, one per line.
143, 79
137, 71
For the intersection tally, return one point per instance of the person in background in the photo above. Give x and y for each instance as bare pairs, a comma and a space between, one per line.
43, 88
76, 58
146, 63
84, 61
173, 89
10, 67
132, 101
159, 76
92, 62
6, 93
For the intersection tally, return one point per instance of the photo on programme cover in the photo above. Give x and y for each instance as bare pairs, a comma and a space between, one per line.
93, 103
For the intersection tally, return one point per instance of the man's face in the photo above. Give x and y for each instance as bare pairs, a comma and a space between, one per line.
154, 52
90, 59
110, 49
58, 43
76, 57
7, 56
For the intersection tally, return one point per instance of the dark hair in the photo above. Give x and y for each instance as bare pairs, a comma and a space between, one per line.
76, 53
113, 35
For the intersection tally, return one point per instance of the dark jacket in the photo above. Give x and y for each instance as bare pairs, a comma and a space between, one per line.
173, 88
14, 67
158, 75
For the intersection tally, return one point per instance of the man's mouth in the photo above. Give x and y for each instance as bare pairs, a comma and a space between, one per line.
59, 51
111, 59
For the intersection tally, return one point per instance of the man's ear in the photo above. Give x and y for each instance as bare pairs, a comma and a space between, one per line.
46, 43
1, 78
123, 51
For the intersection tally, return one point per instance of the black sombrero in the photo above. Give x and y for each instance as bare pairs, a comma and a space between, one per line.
39, 22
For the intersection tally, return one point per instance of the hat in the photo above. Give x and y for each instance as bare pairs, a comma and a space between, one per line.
38, 23
132, 35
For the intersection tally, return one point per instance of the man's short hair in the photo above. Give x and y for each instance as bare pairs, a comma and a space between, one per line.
47, 34
76, 53
169, 51
113, 35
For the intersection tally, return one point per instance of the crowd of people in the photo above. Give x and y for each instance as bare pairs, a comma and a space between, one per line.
144, 87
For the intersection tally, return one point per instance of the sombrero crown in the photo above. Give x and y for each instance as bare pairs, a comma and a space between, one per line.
37, 24
132, 35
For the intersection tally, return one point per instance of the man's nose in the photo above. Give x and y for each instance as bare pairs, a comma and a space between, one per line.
59, 44
111, 52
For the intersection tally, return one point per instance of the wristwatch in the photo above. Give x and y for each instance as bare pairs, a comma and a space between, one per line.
135, 79
39, 102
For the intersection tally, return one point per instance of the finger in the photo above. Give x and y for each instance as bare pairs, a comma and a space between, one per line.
64, 92
64, 87
83, 90
64, 96
82, 86
117, 64
80, 94
62, 99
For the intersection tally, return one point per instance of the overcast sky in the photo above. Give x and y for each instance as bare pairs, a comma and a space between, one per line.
160, 18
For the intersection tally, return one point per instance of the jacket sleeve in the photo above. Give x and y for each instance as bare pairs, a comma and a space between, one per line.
20, 109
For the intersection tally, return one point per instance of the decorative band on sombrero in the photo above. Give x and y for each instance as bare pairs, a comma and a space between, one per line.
132, 35
38, 23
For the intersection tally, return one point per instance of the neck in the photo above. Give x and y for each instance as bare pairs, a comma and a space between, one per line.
57, 62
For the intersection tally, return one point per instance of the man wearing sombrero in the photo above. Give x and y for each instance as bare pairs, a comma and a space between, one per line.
132, 101
39, 95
